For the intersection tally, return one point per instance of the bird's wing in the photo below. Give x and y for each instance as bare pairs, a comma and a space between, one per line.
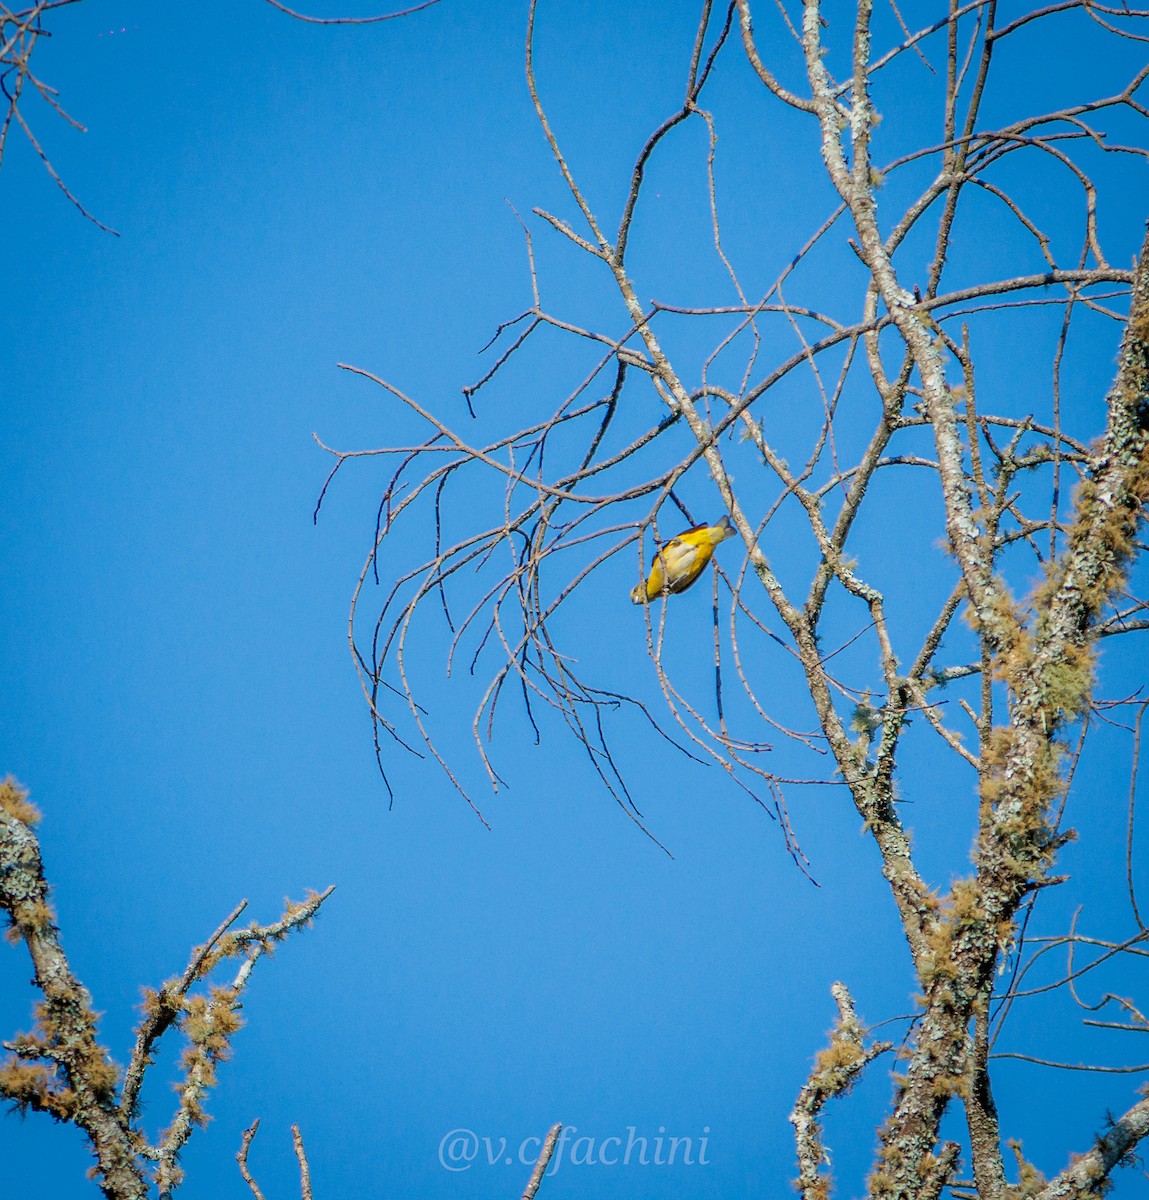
677, 549
684, 560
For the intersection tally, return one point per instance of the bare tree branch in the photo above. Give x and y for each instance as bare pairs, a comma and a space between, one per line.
62, 1068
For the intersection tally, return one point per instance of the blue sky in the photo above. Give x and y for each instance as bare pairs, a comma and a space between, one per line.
177, 690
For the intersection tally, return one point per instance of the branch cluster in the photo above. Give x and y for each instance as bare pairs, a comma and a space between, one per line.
891, 405
63, 1069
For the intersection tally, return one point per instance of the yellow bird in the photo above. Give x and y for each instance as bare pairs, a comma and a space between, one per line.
680, 562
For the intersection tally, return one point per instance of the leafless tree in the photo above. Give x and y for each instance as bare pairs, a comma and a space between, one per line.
62, 1069
855, 380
